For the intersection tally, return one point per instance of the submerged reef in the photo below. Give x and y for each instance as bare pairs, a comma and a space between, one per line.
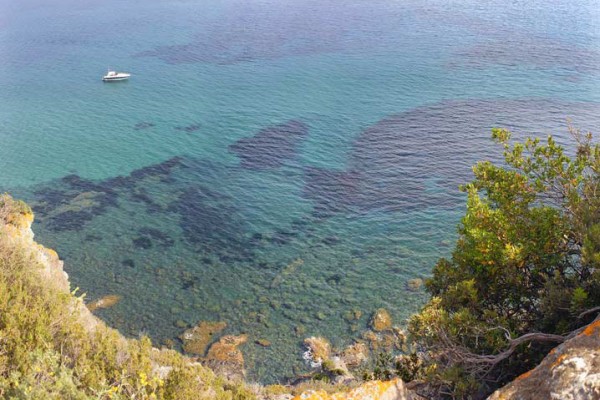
208, 220
189, 128
143, 125
73, 201
390, 168
271, 147
78, 356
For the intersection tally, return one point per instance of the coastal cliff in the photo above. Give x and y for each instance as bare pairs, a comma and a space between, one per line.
53, 347
74, 355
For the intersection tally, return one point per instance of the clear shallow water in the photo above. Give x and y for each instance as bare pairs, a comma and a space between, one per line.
253, 134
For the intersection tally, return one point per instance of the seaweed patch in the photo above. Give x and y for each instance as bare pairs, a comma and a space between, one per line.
392, 168
211, 223
189, 128
161, 238
271, 147
73, 201
142, 242
143, 125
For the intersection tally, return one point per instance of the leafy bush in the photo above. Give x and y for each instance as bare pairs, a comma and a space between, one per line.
526, 261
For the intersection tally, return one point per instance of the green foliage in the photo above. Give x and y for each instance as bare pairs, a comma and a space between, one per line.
383, 369
50, 348
330, 368
526, 260
11, 210
409, 367
578, 300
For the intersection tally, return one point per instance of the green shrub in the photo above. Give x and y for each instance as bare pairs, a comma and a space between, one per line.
526, 261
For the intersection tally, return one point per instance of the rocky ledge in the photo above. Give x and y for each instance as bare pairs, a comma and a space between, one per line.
376, 390
571, 371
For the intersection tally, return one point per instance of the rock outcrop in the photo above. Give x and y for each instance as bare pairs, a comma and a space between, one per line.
318, 350
104, 302
381, 320
570, 372
196, 339
17, 227
225, 358
355, 354
375, 390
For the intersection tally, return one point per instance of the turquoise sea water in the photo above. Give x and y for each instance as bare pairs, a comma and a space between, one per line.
256, 133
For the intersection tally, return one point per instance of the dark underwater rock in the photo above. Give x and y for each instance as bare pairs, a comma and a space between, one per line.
189, 128
143, 125
142, 242
271, 147
157, 236
210, 221
73, 201
69, 221
417, 159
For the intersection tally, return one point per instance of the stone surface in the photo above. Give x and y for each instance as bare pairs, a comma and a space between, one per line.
381, 320
337, 370
263, 342
104, 302
355, 354
375, 390
225, 358
571, 371
197, 339
389, 340
319, 349
414, 284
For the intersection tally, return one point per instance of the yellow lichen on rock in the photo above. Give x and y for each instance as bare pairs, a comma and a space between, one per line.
225, 358
381, 320
570, 372
319, 348
197, 339
375, 390
355, 354
591, 328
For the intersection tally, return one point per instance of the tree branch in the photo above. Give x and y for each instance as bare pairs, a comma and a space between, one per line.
587, 312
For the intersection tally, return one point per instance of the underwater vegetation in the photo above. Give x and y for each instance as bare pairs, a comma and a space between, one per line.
271, 147
191, 239
189, 128
417, 159
73, 201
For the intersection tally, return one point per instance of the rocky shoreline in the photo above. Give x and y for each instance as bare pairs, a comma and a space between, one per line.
570, 371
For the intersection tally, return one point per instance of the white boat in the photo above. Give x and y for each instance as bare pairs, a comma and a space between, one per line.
112, 76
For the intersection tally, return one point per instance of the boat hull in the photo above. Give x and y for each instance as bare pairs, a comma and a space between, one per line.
115, 79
